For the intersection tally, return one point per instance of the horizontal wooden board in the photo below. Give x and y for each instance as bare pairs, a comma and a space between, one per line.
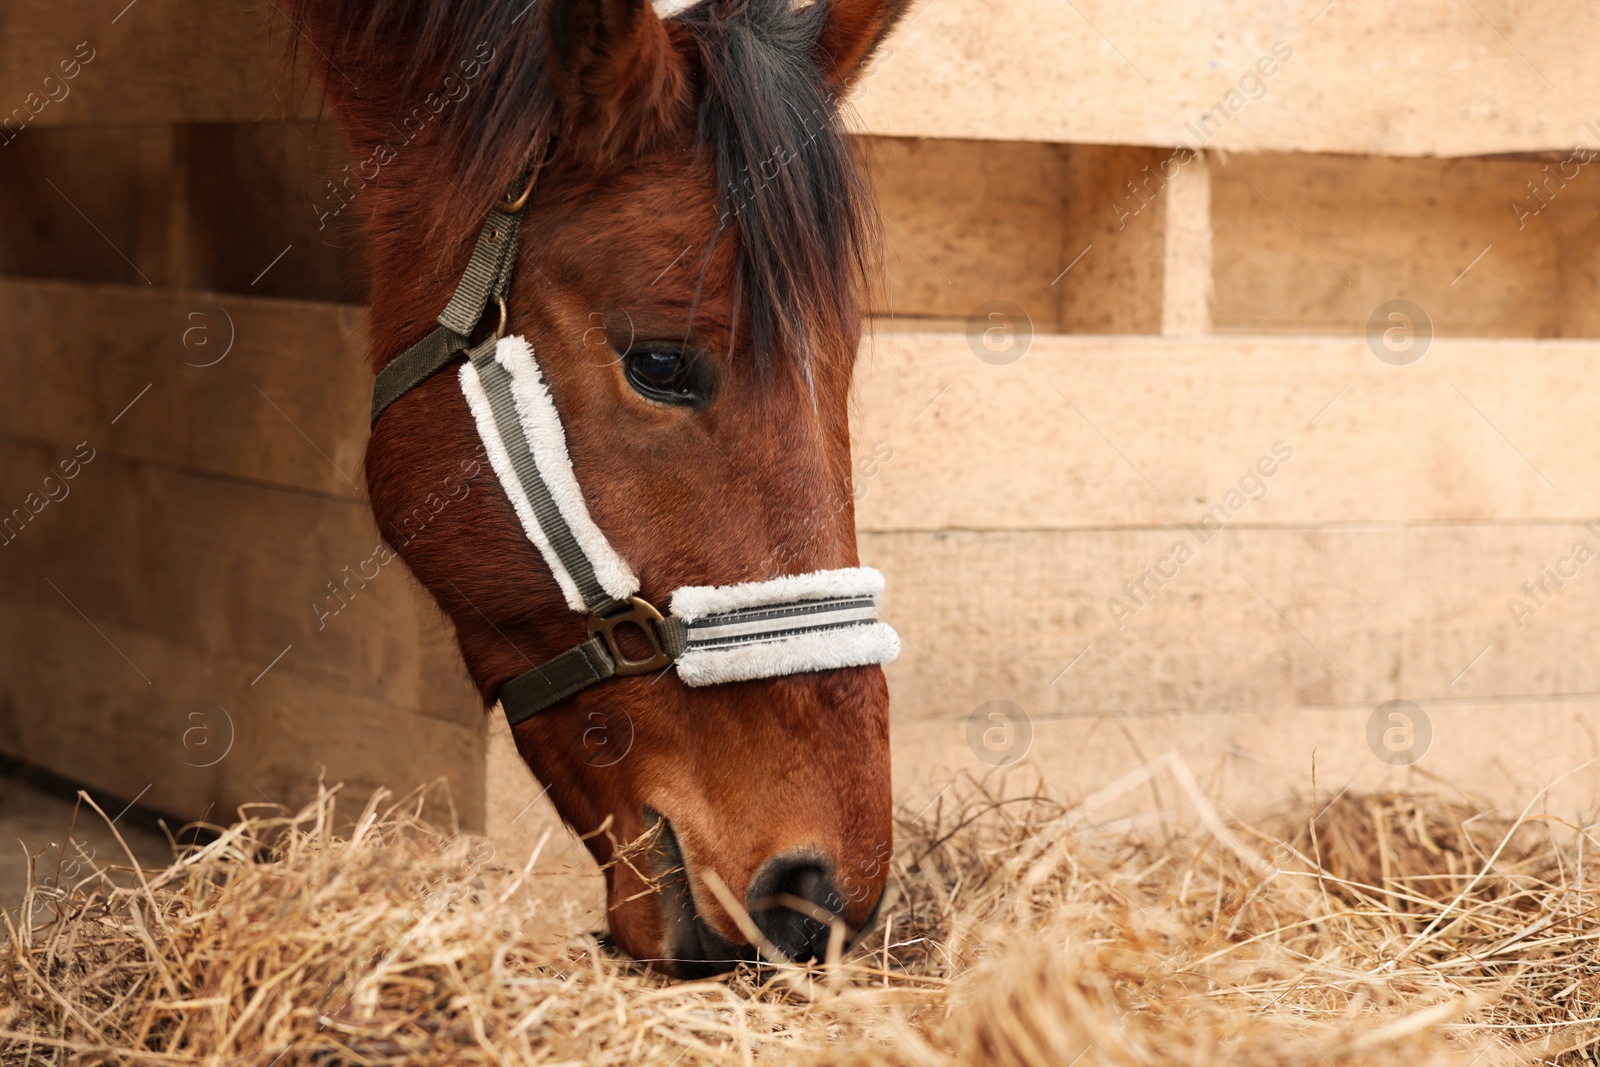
1488, 249
1253, 619
260, 214
1110, 275
227, 569
965, 222
1085, 432
265, 390
208, 730
81, 211
149, 62
234, 208
1497, 754
1363, 77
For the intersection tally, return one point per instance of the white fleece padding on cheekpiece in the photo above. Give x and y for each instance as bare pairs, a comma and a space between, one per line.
541, 424
789, 625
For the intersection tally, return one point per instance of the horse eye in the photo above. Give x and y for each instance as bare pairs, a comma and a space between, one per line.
659, 374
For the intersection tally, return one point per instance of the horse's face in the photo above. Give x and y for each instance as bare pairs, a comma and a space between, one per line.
702, 376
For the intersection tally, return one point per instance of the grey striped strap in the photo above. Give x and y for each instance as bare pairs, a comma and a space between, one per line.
793, 624
772, 623
497, 387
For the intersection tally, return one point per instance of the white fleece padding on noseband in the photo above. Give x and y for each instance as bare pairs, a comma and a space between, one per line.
790, 625
541, 424
694, 602
855, 646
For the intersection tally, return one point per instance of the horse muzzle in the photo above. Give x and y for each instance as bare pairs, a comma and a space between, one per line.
793, 902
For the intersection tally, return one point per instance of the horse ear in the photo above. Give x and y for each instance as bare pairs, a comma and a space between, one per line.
852, 33
619, 78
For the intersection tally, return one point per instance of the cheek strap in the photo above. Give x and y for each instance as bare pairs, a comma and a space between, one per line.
794, 624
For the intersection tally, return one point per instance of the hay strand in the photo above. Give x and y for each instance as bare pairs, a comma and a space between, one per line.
1383, 929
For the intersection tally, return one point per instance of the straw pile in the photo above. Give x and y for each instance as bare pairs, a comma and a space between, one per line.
1379, 929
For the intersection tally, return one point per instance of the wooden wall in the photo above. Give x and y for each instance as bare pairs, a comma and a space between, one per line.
1164, 322
196, 619
1359, 77
1200, 326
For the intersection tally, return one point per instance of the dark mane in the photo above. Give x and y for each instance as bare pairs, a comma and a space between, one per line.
379, 61
791, 191
790, 186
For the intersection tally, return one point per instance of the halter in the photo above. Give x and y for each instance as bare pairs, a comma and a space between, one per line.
793, 624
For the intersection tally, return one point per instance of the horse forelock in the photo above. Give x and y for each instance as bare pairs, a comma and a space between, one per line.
789, 186
789, 189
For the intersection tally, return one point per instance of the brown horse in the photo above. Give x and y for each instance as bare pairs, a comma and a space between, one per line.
690, 273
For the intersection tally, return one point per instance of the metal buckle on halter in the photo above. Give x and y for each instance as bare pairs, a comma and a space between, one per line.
643, 615
512, 204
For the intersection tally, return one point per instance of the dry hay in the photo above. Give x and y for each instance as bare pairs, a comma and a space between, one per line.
1380, 929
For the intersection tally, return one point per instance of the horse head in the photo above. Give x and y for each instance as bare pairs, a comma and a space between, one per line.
688, 276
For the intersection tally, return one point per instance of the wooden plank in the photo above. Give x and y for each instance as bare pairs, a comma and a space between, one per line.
72, 703
132, 595
1088, 432
1110, 276
1579, 312
1078, 624
1496, 753
85, 217
150, 63
967, 222
1448, 79
246, 208
265, 217
286, 404
227, 569
1187, 270
1318, 243
1472, 80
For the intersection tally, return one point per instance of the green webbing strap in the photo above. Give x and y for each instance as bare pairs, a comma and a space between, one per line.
674, 636
576, 669
488, 275
414, 366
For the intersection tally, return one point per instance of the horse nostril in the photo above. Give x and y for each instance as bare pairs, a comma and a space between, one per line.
797, 926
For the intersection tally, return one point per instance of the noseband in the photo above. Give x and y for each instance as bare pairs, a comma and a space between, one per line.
793, 624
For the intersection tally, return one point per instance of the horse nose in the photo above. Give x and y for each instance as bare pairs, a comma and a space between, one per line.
792, 902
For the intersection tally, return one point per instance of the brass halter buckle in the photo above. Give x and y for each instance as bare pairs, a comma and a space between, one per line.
513, 203
643, 615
